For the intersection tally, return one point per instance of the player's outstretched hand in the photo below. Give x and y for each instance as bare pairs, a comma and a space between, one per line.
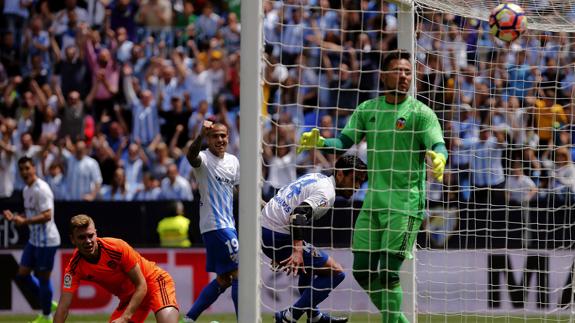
437, 164
294, 263
310, 140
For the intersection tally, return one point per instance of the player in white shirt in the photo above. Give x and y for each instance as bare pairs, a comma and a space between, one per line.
283, 218
39, 252
217, 174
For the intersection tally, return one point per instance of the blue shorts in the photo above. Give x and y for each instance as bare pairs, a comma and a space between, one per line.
278, 247
38, 258
222, 249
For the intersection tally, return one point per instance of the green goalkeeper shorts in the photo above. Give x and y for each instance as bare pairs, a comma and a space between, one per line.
384, 232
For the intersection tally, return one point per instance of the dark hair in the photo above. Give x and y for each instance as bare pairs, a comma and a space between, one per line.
393, 55
350, 163
24, 160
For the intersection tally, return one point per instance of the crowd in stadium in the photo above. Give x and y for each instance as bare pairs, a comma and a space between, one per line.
105, 95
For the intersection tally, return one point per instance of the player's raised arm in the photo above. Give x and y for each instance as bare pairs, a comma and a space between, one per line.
194, 151
63, 307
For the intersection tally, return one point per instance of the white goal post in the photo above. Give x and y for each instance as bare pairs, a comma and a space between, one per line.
515, 279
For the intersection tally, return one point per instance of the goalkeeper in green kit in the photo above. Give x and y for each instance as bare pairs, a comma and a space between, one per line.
400, 132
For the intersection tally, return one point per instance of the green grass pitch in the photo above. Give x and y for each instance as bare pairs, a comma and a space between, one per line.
354, 318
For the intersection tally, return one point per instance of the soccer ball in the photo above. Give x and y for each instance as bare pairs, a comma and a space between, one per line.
507, 22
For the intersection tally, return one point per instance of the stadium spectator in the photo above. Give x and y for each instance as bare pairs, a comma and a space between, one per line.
56, 181
149, 190
122, 14
133, 162
486, 167
15, 14
104, 81
563, 172
145, 122
549, 114
117, 190
7, 159
62, 17
207, 25
520, 188
175, 187
83, 175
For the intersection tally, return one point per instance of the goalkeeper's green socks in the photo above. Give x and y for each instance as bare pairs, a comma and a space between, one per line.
391, 300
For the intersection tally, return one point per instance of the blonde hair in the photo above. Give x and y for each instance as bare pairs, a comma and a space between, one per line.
80, 221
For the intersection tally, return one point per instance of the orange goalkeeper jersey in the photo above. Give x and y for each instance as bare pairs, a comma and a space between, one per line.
110, 271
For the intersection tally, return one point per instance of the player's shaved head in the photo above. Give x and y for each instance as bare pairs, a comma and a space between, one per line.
80, 221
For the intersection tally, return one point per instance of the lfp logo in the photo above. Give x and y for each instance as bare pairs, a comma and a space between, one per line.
400, 123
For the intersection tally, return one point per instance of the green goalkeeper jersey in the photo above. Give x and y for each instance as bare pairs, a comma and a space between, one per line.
397, 138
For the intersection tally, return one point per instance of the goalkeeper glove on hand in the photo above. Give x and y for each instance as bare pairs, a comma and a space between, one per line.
310, 140
438, 164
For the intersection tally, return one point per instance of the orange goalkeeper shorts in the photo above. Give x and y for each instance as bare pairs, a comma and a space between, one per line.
161, 294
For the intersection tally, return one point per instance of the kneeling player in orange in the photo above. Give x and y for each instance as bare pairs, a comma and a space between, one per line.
140, 285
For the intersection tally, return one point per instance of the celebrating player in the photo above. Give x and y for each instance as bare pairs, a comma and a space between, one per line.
217, 173
283, 218
140, 284
44, 238
398, 129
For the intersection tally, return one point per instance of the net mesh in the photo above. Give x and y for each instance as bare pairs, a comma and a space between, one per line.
497, 238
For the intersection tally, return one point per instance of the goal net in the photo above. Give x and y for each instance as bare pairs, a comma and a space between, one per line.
498, 233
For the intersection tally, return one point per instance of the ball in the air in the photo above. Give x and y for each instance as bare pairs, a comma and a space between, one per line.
507, 22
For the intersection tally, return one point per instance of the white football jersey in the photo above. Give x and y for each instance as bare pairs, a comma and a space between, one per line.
38, 198
216, 179
315, 189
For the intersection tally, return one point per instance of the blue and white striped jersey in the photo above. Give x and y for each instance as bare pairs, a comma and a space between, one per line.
145, 122
487, 163
38, 198
81, 176
315, 189
216, 180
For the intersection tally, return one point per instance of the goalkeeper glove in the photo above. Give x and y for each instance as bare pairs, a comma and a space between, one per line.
437, 164
310, 140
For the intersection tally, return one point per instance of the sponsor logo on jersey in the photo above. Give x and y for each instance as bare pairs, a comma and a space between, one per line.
67, 281
400, 123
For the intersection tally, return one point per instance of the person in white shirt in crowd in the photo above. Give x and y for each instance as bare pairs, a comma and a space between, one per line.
563, 172
145, 119
176, 187
133, 163
149, 190
7, 159
61, 19
117, 190
198, 84
56, 181
83, 175
520, 188
486, 167
27, 149
298, 205
44, 239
